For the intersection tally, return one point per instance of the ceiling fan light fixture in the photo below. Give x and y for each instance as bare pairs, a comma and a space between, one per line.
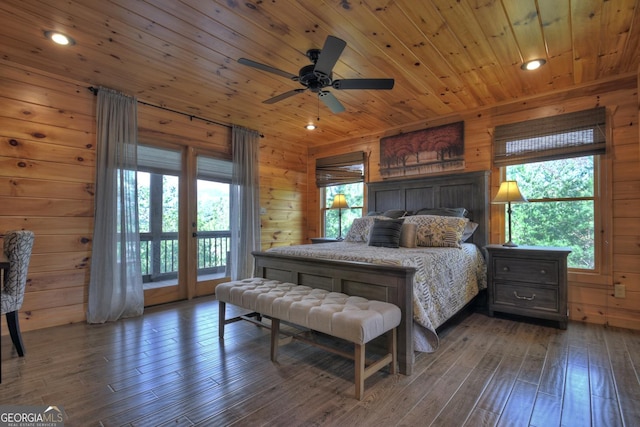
59, 38
533, 64
317, 76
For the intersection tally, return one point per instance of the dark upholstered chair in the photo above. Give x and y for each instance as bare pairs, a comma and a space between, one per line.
17, 249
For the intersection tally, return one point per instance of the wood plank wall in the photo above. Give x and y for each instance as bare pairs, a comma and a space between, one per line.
47, 169
47, 176
590, 295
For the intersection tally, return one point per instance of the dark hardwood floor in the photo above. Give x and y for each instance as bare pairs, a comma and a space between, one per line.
169, 368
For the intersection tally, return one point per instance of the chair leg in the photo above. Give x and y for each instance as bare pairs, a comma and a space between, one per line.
14, 331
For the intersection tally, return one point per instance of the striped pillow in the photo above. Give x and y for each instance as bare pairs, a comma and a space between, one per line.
386, 233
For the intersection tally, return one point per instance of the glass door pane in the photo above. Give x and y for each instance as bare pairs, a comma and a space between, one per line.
213, 220
213, 229
159, 218
159, 181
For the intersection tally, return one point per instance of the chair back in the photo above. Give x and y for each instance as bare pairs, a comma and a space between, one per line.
17, 248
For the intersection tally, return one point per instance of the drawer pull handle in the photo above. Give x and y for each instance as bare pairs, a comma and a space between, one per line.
543, 271
524, 298
505, 268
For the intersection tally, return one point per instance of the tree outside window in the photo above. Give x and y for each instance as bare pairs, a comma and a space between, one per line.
354, 194
561, 206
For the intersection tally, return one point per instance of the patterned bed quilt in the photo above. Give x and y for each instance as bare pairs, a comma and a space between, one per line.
446, 279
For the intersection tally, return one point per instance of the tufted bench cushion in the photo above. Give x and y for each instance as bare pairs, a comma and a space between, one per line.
351, 318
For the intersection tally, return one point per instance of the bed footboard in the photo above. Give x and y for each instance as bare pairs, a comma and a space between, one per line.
388, 283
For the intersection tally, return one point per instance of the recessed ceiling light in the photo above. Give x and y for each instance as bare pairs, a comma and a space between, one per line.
59, 38
533, 65
310, 126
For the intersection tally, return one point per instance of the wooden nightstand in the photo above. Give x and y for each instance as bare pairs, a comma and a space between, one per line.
528, 281
315, 240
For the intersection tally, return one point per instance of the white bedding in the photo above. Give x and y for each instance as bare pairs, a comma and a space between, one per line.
446, 279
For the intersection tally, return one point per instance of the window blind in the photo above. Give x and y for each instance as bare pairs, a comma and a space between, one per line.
566, 135
159, 160
213, 169
342, 169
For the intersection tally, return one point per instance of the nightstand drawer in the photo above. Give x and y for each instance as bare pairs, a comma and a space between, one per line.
533, 271
530, 297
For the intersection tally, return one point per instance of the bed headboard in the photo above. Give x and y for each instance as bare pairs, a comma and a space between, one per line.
469, 190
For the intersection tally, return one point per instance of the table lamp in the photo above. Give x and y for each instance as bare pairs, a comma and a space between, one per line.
339, 202
509, 193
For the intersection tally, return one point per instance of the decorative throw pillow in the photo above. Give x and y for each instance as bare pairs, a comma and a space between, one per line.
360, 228
408, 235
386, 233
438, 231
395, 213
469, 229
459, 212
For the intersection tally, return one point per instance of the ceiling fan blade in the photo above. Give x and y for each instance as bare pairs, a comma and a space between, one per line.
263, 67
363, 84
331, 101
283, 96
329, 55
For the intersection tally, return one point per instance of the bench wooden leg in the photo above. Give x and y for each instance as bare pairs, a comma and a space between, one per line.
221, 318
393, 349
275, 335
359, 357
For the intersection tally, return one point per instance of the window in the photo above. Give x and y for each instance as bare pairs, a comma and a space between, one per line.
557, 166
561, 206
342, 174
354, 195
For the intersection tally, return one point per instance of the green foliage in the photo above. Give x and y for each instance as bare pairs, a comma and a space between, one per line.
213, 206
170, 204
549, 219
162, 204
354, 194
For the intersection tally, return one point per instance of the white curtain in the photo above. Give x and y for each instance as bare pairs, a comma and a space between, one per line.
245, 202
115, 284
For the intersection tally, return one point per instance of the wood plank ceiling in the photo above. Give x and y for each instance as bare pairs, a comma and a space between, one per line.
446, 56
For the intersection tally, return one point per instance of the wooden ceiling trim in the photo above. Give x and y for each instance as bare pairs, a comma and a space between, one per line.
526, 27
619, 19
484, 69
318, 23
557, 37
450, 89
182, 54
169, 50
195, 85
585, 20
388, 52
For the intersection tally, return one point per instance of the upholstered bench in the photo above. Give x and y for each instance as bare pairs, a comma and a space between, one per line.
351, 318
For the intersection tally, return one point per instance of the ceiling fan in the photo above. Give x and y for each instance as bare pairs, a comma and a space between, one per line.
319, 75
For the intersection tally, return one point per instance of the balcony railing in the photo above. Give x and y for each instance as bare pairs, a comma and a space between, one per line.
159, 255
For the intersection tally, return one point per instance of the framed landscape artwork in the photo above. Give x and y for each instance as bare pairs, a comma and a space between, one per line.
432, 150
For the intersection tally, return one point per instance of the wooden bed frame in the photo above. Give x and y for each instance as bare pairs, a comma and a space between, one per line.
392, 284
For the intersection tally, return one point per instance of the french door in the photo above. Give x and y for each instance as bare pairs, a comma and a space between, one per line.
182, 204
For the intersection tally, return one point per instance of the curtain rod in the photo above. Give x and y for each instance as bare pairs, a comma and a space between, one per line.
95, 90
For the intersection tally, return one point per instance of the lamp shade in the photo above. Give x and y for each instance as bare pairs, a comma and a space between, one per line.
509, 192
339, 202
